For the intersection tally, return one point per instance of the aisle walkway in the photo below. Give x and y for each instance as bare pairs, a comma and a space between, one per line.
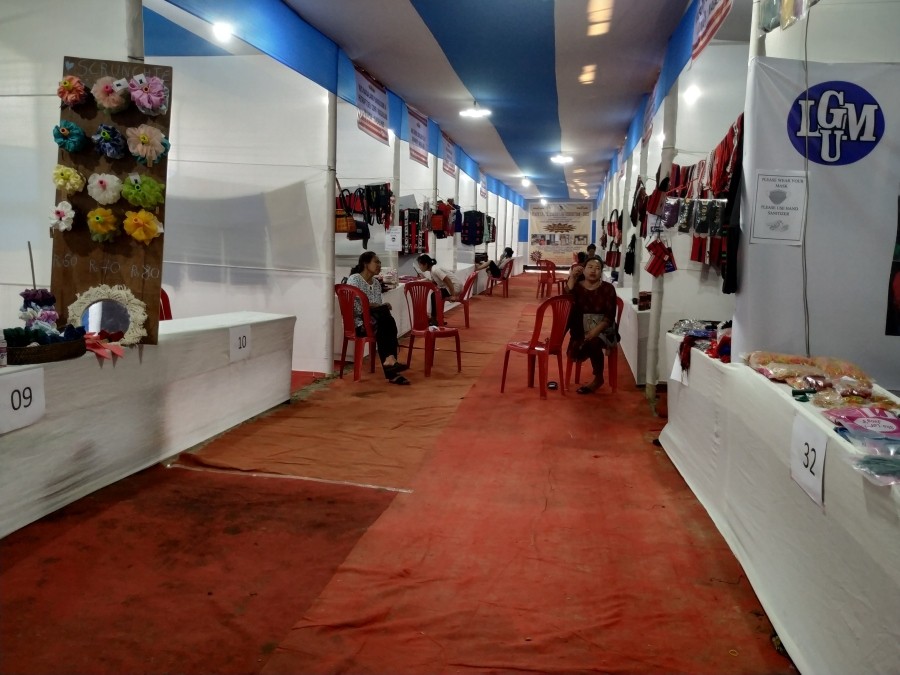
519, 534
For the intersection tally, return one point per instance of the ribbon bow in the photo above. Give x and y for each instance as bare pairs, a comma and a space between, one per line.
104, 344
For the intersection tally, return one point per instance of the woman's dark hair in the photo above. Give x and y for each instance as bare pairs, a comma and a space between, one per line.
581, 257
426, 260
597, 258
364, 259
509, 252
592, 246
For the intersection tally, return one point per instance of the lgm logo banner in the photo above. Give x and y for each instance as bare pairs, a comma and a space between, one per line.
837, 122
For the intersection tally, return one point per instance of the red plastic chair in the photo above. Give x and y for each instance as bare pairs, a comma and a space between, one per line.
417, 294
612, 356
466, 295
547, 279
347, 295
541, 350
503, 279
165, 309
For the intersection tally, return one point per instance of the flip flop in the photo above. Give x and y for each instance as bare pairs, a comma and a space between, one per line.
584, 389
399, 379
394, 368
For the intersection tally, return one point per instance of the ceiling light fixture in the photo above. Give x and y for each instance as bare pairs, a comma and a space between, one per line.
561, 159
525, 182
588, 74
222, 31
543, 202
691, 94
599, 16
475, 111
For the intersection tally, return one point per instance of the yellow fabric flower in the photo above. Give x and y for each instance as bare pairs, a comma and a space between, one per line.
143, 226
102, 224
67, 179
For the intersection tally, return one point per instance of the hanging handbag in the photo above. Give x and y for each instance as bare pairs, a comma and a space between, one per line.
628, 267
343, 218
670, 212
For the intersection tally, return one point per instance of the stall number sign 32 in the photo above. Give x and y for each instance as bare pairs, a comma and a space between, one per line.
808, 457
240, 343
21, 399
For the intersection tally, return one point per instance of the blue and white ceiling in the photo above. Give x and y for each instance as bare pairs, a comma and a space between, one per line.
561, 76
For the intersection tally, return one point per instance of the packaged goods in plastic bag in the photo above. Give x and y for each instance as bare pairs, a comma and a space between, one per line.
816, 382
845, 375
878, 469
777, 366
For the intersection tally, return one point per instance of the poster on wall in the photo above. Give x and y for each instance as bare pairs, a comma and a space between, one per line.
448, 155
826, 138
482, 184
372, 106
110, 209
559, 230
418, 136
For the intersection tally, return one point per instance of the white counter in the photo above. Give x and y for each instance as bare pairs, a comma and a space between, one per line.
829, 579
106, 420
634, 329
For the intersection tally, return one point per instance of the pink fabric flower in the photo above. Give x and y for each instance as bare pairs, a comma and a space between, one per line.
151, 97
105, 188
71, 90
145, 141
61, 217
107, 97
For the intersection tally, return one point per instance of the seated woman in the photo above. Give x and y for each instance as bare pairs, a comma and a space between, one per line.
447, 284
495, 269
593, 319
363, 276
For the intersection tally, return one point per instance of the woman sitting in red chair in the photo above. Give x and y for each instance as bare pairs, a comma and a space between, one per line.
495, 269
592, 322
363, 277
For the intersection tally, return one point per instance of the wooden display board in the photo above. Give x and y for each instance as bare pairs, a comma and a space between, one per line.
78, 262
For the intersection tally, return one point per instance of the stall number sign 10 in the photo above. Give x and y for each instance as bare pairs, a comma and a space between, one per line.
240, 343
808, 457
21, 399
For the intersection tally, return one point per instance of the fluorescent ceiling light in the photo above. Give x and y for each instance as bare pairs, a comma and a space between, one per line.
222, 31
588, 74
691, 94
525, 182
475, 111
561, 159
543, 202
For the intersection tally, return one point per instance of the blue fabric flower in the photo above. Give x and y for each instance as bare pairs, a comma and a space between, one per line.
69, 136
110, 141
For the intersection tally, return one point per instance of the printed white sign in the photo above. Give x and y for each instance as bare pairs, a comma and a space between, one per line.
393, 238
21, 399
240, 344
808, 457
779, 208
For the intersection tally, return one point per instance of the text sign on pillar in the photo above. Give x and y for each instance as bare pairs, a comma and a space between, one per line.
240, 342
21, 399
808, 457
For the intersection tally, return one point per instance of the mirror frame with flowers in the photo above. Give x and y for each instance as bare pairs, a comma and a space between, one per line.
137, 309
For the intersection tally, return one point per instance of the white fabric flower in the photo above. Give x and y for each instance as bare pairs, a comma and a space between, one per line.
105, 188
61, 217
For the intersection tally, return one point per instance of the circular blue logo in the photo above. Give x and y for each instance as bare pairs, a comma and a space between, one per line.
836, 123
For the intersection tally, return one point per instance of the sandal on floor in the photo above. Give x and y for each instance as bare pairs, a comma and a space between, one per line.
587, 389
399, 379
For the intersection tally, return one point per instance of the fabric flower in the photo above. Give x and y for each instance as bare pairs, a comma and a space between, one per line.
143, 226
109, 141
69, 136
102, 224
105, 188
61, 217
143, 191
150, 95
67, 179
146, 143
33, 314
71, 91
108, 98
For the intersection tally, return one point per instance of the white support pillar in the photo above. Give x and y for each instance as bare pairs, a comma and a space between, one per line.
626, 202
393, 257
134, 30
330, 202
639, 244
670, 119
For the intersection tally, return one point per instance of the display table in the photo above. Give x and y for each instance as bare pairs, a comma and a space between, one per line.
634, 328
829, 579
105, 420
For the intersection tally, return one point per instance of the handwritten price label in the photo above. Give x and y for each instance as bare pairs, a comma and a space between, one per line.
240, 343
808, 457
21, 399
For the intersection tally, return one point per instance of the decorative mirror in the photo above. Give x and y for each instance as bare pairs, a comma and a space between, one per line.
110, 308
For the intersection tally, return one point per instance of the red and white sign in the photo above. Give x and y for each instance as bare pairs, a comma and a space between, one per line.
418, 136
372, 106
711, 14
448, 156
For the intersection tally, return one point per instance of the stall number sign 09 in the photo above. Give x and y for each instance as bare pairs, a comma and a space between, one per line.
21, 399
808, 443
240, 341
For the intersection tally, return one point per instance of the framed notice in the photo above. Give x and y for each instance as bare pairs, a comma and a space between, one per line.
779, 208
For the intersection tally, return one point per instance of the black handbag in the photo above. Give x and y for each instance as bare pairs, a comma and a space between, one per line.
628, 266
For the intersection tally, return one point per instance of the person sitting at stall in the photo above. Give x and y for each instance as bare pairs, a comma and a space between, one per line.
447, 284
591, 251
363, 276
495, 269
592, 322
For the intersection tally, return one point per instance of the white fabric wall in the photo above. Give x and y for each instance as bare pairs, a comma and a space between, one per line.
493, 209
466, 202
32, 47
246, 190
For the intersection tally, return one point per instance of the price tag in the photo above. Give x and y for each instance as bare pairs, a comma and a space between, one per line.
808, 457
393, 238
21, 399
240, 343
